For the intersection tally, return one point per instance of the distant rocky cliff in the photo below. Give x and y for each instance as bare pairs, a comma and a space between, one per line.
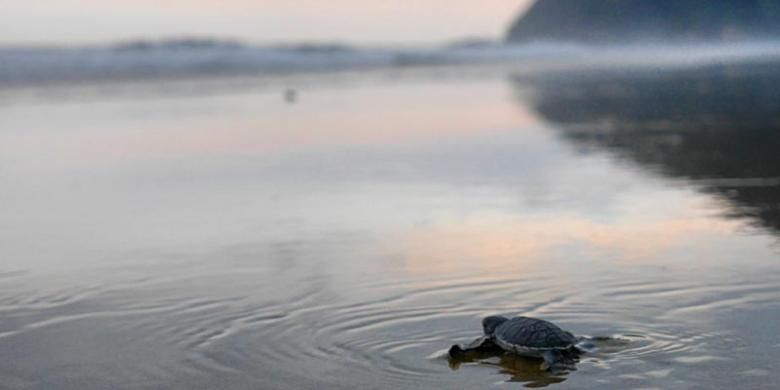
616, 21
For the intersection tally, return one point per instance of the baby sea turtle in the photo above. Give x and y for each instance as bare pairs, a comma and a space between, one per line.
524, 336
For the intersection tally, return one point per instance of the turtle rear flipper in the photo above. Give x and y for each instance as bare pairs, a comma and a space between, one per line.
550, 359
556, 360
585, 345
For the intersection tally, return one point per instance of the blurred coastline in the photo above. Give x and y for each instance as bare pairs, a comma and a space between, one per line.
196, 58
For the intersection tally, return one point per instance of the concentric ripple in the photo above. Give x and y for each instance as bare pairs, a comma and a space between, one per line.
395, 331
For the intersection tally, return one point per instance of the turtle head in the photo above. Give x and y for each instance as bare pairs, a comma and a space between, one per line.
489, 324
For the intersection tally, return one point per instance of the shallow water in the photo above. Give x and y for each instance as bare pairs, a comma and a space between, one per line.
233, 240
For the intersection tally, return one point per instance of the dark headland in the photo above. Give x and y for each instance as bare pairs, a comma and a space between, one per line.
623, 21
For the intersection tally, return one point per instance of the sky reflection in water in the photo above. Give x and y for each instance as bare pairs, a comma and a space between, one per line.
347, 239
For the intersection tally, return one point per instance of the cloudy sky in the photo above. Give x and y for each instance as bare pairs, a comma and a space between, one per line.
262, 21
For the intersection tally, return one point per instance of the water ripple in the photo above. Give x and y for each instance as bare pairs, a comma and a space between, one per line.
399, 331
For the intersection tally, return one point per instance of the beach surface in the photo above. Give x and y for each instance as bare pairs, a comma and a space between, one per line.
232, 235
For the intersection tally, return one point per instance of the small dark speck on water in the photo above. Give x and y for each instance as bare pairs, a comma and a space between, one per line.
290, 95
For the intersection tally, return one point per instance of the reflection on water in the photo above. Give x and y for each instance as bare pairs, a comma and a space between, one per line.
341, 242
714, 126
517, 368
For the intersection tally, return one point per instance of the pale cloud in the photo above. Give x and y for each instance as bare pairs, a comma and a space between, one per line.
378, 21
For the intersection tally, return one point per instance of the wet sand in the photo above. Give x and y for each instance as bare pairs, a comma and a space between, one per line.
348, 238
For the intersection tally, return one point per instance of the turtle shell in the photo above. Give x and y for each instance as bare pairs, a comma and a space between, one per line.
523, 334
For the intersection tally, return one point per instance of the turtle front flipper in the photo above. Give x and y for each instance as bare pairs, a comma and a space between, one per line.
482, 344
456, 352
